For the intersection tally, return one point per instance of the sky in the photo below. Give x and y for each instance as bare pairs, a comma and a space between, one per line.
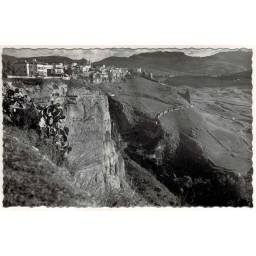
96, 54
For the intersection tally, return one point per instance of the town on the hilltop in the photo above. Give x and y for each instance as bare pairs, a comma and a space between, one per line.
94, 74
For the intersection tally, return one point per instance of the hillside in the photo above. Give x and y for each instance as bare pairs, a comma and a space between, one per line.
193, 150
46, 59
137, 143
177, 63
95, 173
32, 179
242, 80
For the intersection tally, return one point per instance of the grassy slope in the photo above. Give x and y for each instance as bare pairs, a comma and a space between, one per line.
202, 145
239, 80
150, 98
145, 184
31, 179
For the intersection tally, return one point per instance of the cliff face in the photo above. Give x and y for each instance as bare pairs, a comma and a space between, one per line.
94, 161
97, 160
94, 168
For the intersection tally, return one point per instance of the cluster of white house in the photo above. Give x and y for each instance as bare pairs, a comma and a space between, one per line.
95, 75
101, 74
34, 68
87, 71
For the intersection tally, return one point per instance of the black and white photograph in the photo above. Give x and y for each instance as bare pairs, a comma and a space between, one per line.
127, 127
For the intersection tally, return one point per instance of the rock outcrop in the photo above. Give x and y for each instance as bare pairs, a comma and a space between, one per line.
92, 175
94, 160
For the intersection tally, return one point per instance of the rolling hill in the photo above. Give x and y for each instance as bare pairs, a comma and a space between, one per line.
46, 59
179, 64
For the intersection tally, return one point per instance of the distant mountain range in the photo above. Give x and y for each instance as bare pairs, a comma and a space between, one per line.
44, 59
180, 64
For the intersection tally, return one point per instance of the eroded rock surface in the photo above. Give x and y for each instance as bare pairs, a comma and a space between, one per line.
94, 160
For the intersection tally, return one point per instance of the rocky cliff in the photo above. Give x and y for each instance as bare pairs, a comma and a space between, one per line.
94, 159
98, 161
94, 169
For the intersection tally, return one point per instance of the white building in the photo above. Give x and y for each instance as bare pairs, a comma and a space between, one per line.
139, 70
85, 68
58, 69
43, 69
74, 64
35, 68
39, 69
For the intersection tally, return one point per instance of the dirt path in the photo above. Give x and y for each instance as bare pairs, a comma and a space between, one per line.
172, 109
